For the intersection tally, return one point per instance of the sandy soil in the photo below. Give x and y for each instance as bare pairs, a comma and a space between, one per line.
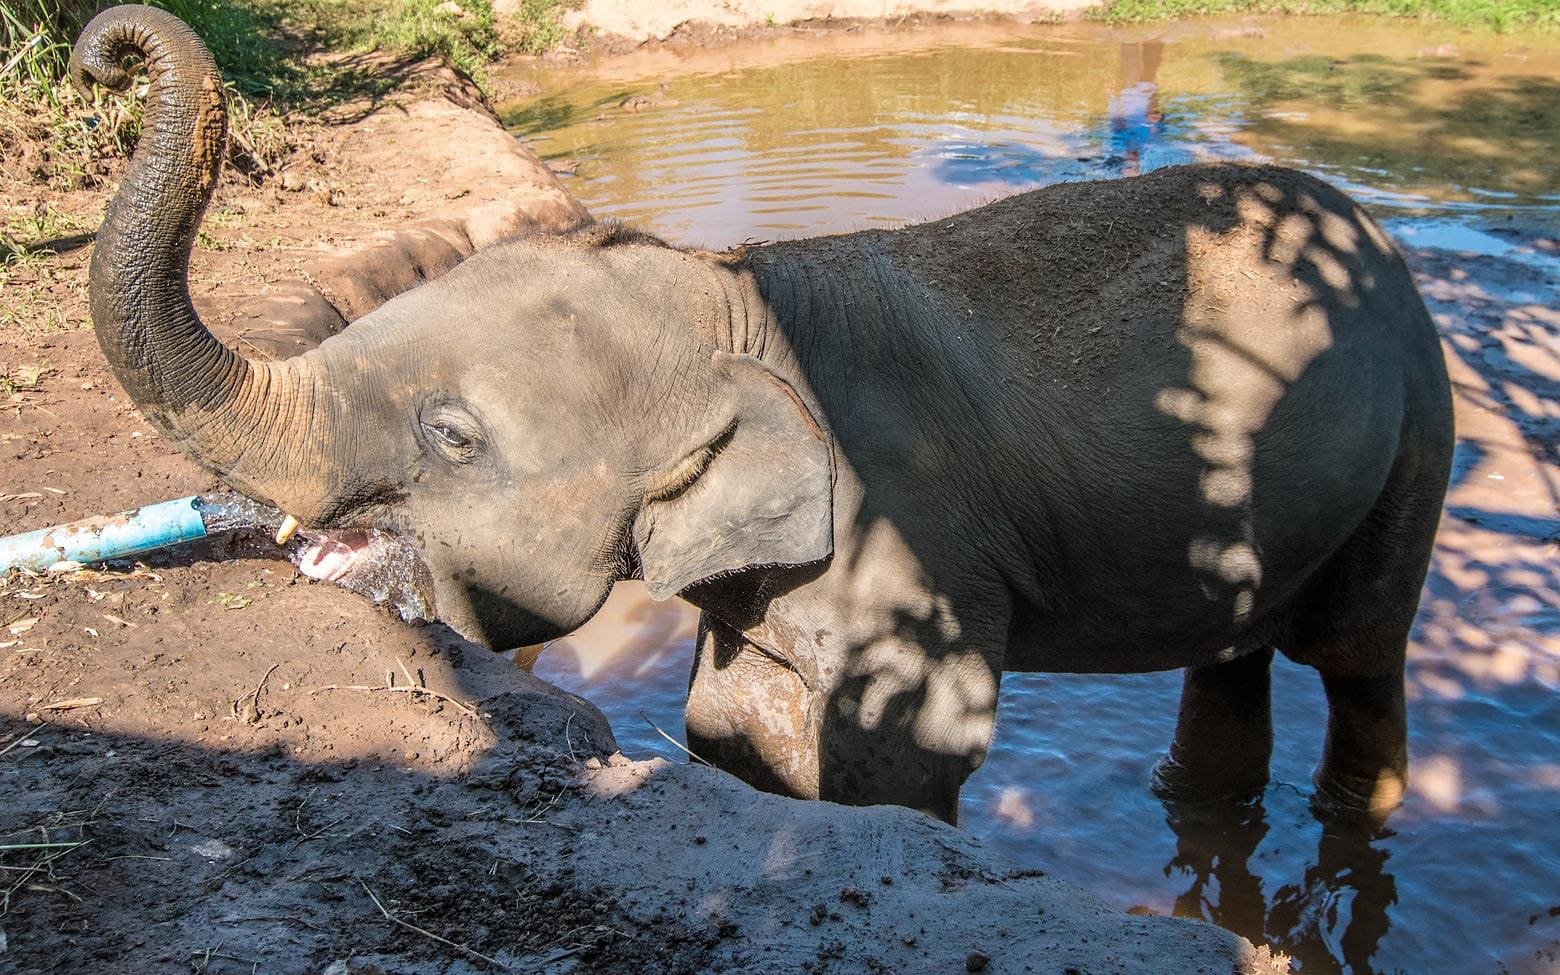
655, 20
210, 764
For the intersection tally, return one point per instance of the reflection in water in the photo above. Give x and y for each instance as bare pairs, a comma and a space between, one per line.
1339, 910
1446, 135
1335, 912
1134, 108
1214, 843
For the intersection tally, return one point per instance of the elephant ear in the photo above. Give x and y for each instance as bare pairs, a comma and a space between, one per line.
757, 489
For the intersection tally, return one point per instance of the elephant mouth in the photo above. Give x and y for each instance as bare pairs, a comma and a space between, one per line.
381, 565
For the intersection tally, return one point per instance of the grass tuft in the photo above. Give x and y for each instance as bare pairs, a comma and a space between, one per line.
462, 32
267, 50
52, 133
1498, 15
536, 27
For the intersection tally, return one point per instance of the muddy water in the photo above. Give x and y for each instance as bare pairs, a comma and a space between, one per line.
1453, 139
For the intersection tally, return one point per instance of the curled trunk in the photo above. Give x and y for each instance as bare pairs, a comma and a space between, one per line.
249, 422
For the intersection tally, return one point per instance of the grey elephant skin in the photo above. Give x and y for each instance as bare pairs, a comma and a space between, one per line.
1175, 421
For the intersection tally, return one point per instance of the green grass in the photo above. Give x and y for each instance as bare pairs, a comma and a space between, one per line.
53, 133
428, 28
462, 32
465, 33
1499, 15
269, 52
536, 25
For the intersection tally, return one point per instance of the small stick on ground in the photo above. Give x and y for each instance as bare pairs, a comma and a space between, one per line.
72, 704
429, 934
459, 705
691, 753
21, 737
251, 712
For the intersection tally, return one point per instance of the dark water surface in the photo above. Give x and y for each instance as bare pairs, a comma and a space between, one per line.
1453, 140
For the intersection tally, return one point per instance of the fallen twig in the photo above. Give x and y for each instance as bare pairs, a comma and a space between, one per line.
691, 753
251, 712
281, 918
207, 955
429, 934
45, 862
24, 736
459, 705
541, 810
136, 856
71, 703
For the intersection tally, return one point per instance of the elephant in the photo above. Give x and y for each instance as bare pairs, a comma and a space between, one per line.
1177, 421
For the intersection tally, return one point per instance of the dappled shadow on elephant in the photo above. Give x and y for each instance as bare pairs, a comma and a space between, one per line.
1203, 469
1166, 422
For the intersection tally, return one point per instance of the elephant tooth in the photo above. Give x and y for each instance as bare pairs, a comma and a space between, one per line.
285, 533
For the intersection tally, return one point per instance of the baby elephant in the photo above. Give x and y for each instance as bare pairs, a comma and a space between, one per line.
1175, 421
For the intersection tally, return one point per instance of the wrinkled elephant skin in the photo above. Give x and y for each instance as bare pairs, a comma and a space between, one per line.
1176, 421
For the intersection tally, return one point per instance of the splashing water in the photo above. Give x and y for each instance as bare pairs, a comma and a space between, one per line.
226, 512
377, 564
373, 563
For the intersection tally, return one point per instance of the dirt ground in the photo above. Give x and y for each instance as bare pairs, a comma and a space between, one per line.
210, 764
655, 20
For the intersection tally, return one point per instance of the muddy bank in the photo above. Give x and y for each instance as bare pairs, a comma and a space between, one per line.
243, 798
609, 21
209, 763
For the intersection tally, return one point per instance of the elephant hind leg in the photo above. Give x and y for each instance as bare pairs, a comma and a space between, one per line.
1223, 734
1352, 625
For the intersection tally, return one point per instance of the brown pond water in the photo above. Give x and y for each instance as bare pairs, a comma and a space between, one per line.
1453, 140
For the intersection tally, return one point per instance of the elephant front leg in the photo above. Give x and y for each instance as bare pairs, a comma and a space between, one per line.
908, 725
750, 714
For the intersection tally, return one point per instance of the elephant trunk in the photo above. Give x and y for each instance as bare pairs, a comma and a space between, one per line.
251, 423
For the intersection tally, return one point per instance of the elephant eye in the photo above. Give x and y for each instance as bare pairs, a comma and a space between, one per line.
449, 430
447, 435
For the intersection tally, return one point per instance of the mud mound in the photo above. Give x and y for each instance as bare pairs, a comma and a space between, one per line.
238, 767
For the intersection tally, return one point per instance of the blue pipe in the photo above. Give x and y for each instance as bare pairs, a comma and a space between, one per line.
101, 538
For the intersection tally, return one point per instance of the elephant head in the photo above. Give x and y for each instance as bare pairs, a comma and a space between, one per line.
555, 414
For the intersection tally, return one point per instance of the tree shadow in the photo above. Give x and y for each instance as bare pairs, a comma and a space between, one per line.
1493, 133
943, 357
555, 112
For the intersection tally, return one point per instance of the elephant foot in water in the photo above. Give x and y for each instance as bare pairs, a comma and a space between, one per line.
1363, 773
1224, 733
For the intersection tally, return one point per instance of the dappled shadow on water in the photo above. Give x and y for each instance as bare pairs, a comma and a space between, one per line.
1405, 123
1348, 905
